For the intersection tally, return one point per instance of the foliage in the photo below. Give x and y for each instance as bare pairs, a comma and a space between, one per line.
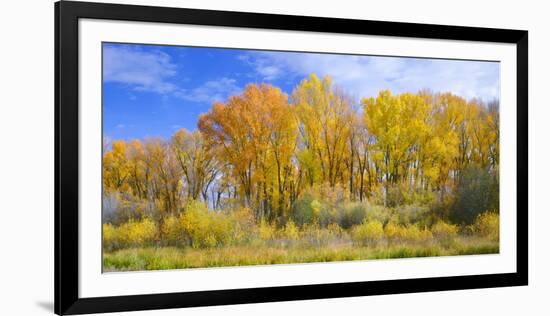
137, 232
351, 214
290, 231
487, 225
399, 233
206, 228
413, 214
149, 258
442, 229
243, 225
477, 192
119, 208
307, 209
109, 236
369, 232
201, 228
378, 213
172, 231
316, 169
132, 233
304, 157
266, 231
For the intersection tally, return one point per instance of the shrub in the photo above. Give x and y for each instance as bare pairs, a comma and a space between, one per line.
306, 210
352, 214
410, 214
395, 196
173, 232
487, 225
368, 232
243, 224
319, 204
200, 227
346, 215
477, 191
335, 229
441, 208
119, 208
328, 216
396, 232
415, 233
206, 228
266, 230
413, 197
314, 235
138, 232
400, 194
109, 237
130, 234
378, 213
442, 229
290, 231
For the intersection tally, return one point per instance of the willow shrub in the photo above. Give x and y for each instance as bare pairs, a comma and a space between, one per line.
369, 232
399, 233
130, 234
314, 235
109, 236
200, 227
244, 227
477, 192
411, 214
306, 210
204, 227
290, 232
444, 230
266, 230
487, 225
119, 208
173, 232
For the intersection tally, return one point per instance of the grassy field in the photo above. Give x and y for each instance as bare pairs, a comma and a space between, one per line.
162, 258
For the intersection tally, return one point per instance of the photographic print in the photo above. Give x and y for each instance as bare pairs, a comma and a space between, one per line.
216, 157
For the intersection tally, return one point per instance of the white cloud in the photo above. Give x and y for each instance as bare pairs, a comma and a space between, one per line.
210, 91
153, 71
269, 72
143, 71
263, 65
367, 75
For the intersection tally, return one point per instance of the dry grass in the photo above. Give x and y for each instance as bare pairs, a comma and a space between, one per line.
163, 258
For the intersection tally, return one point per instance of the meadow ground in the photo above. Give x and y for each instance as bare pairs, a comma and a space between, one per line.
162, 258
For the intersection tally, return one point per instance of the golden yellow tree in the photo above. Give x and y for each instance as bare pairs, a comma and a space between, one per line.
197, 162
115, 167
249, 132
325, 114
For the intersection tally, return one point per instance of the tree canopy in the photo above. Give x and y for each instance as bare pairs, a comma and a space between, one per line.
262, 150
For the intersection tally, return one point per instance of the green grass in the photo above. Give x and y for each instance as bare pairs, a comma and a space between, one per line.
163, 258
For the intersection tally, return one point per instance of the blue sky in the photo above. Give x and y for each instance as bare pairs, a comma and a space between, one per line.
151, 91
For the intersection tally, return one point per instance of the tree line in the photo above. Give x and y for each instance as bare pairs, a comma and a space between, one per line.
263, 149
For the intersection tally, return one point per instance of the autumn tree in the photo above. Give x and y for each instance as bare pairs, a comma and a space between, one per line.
197, 162
115, 167
259, 151
165, 176
396, 122
254, 133
325, 115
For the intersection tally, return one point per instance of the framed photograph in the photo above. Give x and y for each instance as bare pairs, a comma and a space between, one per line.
208, 157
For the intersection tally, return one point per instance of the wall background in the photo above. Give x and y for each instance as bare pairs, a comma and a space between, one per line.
27, 158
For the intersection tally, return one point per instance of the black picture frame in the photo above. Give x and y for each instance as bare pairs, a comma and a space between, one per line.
67, 15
